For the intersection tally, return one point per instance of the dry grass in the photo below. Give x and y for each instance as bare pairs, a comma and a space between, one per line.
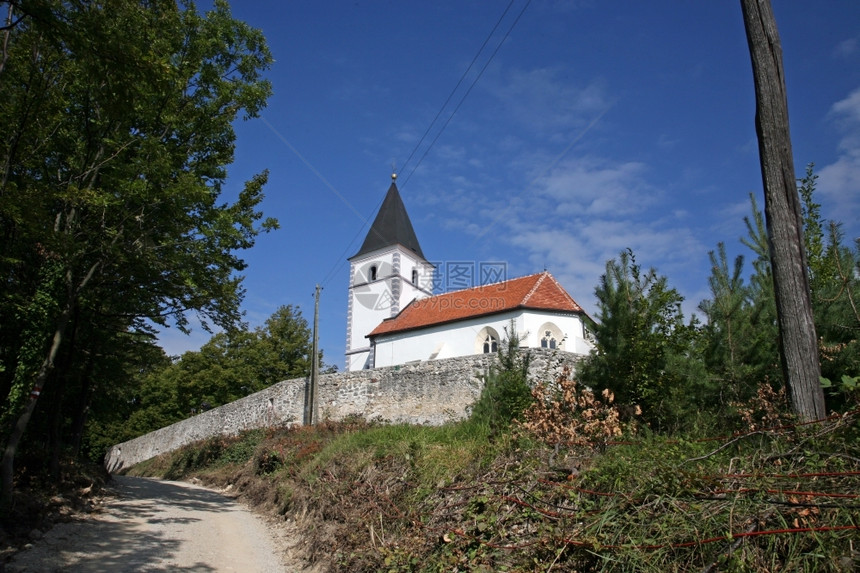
373, 497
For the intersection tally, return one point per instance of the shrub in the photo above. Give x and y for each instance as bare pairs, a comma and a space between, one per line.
567, 413
506, 393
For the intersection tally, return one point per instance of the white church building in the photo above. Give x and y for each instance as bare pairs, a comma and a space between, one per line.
393, 317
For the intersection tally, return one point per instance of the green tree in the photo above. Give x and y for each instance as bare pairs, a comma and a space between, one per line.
112, 389
725, 314
231, 365
763, 319
644, 350
506, 393
236, 363
741, 334
739, 337
836, 302
835, 286
118, 121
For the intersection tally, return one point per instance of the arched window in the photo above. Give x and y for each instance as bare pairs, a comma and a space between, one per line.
487, 341
491, 344
415, 276
551, 337
548, 340
373, 273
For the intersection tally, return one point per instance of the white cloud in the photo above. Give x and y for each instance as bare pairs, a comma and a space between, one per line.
552, 205
596, 187
577, 254
847, 48
543, 101
839, 182
849, 106
586, 212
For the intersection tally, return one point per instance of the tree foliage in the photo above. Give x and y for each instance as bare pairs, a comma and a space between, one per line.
834, 270
231, 365
741, 334
643, 346
506, 393
118, 125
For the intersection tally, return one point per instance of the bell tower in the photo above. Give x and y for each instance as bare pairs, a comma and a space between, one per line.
386, 274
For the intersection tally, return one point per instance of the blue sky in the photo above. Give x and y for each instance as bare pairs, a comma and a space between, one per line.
596, 126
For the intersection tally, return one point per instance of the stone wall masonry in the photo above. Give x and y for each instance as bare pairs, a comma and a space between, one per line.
429, 392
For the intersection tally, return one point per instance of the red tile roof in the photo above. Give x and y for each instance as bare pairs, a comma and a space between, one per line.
539, 291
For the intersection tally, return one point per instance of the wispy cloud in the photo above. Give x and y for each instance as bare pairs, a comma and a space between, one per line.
551, 200
839, 181
546, 102
595, 186
585, 212
847, 48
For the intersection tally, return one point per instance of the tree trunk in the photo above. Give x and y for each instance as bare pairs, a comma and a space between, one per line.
54, 411
7, 463
798, 342
82, 411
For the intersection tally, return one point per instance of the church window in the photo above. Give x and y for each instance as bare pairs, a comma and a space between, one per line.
487, 341
373, 273
548, 340
415, 276
552, 337
491, 344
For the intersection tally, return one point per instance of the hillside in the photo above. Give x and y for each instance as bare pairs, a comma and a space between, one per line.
465, 497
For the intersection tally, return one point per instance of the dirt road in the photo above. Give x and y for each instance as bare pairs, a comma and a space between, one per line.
153, 525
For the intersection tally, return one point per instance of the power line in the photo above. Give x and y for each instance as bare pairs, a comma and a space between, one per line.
459, 82
334, 190
468, 91
341, 260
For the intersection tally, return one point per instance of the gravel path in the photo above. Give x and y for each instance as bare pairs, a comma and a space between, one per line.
153, 525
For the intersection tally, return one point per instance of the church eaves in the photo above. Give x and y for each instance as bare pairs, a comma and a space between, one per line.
391, 227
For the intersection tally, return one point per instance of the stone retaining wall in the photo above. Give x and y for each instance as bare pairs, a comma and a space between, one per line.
431, 392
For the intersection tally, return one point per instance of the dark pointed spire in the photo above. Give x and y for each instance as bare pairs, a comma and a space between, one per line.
391, 226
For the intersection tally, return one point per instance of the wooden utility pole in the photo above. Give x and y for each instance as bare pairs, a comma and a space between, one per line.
312, 415
797, 340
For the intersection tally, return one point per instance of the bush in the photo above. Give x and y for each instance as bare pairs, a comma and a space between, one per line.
569, 414
506, 393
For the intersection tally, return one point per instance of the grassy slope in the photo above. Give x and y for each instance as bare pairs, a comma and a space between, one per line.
455, 498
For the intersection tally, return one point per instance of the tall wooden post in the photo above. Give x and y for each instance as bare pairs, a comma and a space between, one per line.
797, 340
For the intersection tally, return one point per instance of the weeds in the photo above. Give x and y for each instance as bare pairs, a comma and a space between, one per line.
376, 497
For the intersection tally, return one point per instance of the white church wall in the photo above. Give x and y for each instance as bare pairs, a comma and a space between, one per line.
465, 337
422, 287
457, 339
358, 360
368, 300
568, 331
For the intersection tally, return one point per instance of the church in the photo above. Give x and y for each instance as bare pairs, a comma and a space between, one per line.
394, 317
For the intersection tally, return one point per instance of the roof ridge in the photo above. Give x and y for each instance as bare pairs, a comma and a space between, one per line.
567, 294
534, 287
